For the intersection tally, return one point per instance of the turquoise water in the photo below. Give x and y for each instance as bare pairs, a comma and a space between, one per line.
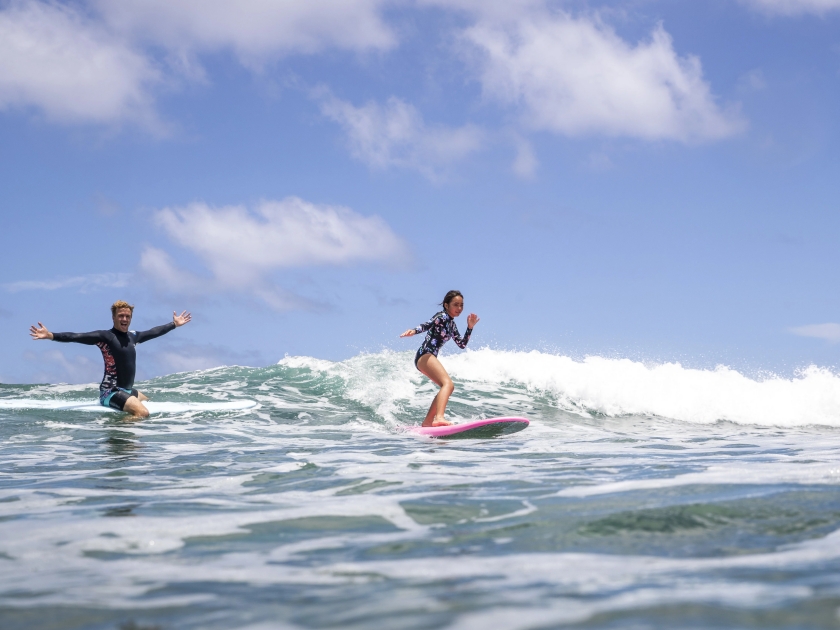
642, 496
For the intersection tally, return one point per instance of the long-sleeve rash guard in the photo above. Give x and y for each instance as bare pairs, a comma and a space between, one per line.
441, 328
117, 351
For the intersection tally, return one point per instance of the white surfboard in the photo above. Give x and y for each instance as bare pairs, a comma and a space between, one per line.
152, 406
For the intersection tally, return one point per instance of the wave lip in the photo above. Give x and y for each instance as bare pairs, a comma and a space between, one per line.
387, 381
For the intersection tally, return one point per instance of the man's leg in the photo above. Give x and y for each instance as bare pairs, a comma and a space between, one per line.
136, 408
140, 395
129, 402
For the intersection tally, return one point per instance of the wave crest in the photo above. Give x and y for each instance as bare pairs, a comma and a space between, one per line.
388, 383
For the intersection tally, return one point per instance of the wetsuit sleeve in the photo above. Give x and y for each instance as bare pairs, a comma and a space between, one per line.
152, 333
425, 325
461, 342
88, 338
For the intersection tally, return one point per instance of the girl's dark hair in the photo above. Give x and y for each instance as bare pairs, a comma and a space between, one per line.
450, 295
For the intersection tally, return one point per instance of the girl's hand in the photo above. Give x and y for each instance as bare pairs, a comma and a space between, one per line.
472, 320
408, 333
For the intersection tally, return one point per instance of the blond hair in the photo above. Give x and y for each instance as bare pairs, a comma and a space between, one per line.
121, 304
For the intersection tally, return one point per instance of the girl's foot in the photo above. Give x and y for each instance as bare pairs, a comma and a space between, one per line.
440, 422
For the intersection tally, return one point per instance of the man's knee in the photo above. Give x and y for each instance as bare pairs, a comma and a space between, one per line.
136, 408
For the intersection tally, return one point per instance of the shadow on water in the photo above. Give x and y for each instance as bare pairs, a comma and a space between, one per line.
122, 445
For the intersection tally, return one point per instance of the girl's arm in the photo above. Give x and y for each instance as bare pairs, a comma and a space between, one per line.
461, 342
472, 320
421, 328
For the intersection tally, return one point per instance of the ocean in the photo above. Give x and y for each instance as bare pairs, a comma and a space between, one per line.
641, 496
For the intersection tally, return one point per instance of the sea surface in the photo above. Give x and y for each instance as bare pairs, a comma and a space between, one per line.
641, 496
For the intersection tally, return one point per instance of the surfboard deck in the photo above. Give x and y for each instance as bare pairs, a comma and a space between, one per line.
477, 429
153, 407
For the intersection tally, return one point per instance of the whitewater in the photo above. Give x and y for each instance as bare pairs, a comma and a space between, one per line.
643, 495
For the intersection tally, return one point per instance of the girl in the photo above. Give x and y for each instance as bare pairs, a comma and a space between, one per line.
441, 329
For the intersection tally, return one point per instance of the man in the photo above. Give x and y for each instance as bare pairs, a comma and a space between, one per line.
117, 346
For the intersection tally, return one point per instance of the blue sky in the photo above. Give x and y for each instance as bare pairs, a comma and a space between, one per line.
653, 180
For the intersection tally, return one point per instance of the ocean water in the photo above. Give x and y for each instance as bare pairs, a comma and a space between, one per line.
641, 496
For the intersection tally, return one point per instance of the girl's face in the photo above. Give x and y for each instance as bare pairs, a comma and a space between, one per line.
455, 307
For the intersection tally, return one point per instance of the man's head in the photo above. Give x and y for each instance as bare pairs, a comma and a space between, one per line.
121, 313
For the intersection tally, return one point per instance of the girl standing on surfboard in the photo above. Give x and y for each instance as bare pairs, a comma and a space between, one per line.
441, 328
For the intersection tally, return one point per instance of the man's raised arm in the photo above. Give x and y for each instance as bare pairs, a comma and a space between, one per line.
89, 338
157, 331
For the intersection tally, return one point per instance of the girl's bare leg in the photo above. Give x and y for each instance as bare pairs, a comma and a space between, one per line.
431, 367
141, 396
430, 416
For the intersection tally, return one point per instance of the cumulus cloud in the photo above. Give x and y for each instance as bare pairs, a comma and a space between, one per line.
185, 356
57, 60
84, 284
395, 134
575, 75
525, 163
241, 246
795, 7
54, 366
829, 332
255, 30
92, 62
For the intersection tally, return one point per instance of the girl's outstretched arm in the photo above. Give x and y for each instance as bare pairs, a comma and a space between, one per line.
421, 328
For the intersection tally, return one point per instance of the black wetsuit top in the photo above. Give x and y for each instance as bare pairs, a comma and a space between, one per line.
441, 329
117, 351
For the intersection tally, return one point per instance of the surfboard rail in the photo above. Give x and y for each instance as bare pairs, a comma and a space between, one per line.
475, 429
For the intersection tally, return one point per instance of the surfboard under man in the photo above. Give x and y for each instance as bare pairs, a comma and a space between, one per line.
117, 346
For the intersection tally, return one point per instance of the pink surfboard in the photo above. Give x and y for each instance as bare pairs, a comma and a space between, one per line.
477, 429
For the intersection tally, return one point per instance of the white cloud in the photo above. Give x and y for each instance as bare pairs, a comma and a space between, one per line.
158, 266
794, 7
395, 134
84, 284
95, 66
55, 59
53, 366
575, 75
255, 30
829, 332
185, 356
241, 247
525, 163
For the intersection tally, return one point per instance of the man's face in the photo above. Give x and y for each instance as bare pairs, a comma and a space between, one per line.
122, 319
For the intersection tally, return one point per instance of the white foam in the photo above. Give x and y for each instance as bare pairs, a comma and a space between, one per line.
388, 383
153, 407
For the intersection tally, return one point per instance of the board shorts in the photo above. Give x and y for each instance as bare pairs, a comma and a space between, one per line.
117, 397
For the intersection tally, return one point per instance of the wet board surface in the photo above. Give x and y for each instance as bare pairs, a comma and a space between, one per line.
153, 407
477, 429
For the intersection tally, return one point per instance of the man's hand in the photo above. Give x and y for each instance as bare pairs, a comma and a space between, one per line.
472, 320
180, 320
40, 332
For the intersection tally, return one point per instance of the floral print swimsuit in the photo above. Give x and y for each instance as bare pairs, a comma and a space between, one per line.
441, 329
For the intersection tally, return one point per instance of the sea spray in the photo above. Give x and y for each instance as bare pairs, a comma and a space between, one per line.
387, 383
619, 506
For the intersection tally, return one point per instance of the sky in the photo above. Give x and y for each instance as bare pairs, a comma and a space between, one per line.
653, 180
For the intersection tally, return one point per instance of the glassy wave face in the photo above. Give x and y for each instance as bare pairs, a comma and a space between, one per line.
641, 496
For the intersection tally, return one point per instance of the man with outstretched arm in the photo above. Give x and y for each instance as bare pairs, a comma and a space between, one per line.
117, 346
